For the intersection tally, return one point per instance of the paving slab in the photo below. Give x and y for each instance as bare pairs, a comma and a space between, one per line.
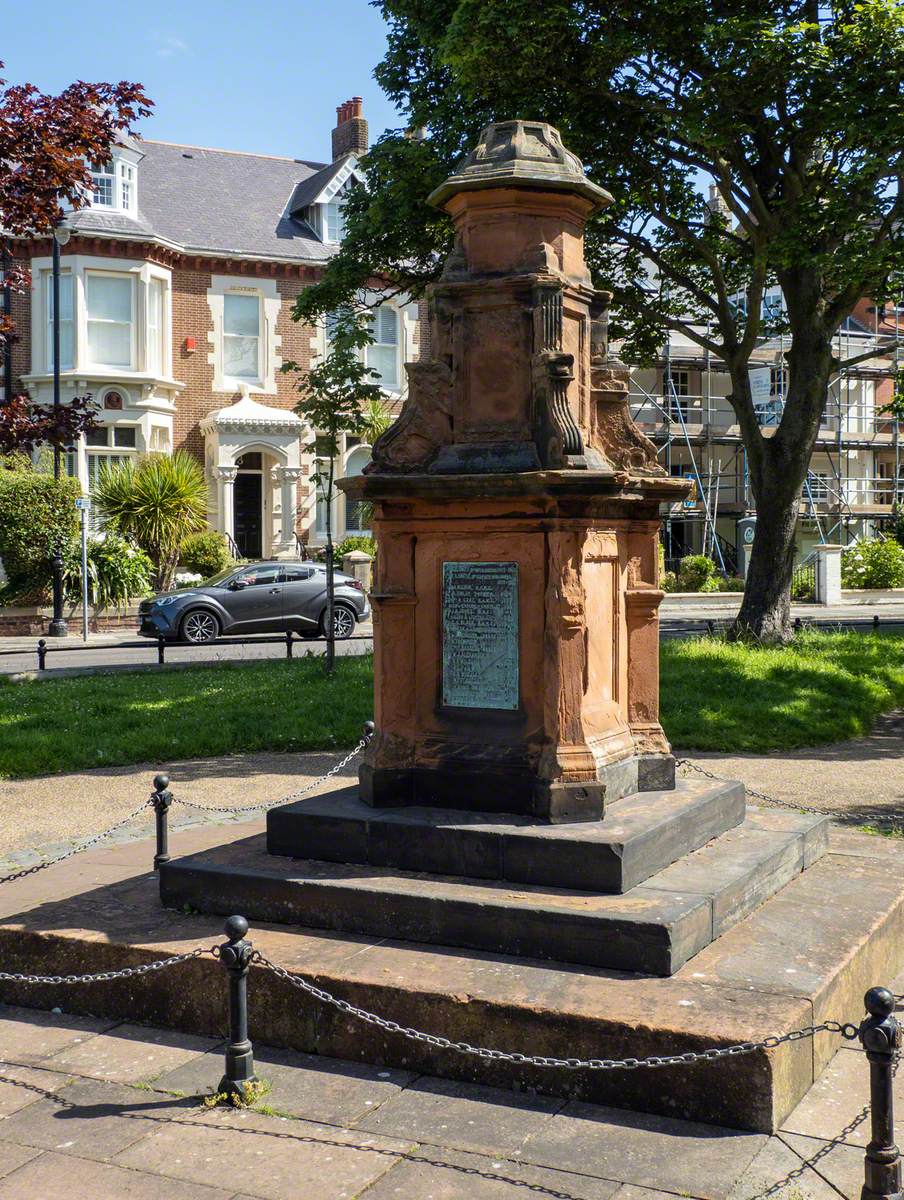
435, 1174
839, 1101
301, 1085
13, 1158
58, 1177
131, 1053
89, 1119
778, 1173
21, 1086
463, 1117
653, 1152
268, 1157
38, 1035
839, 1164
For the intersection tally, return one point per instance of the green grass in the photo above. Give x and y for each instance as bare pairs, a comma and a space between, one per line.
110, 720
825, 687
715, 696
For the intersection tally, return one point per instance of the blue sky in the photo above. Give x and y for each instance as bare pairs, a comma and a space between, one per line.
263, 77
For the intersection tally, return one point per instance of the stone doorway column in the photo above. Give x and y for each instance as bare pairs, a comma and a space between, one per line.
286, 478
225, 477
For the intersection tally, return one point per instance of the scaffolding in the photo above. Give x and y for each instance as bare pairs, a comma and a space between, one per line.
856, 475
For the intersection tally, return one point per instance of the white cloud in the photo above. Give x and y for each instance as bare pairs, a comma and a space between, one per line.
169, 45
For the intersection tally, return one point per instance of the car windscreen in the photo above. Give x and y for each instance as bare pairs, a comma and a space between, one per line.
220, 577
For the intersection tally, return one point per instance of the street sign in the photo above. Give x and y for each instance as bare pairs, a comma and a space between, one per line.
83, 503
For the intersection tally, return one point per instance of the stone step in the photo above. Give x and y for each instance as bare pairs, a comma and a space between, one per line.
640, 835
654, 929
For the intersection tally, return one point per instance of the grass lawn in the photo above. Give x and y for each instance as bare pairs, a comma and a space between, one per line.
715, 696
825, 687
110, 720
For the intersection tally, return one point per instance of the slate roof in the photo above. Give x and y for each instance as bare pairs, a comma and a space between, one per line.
220, 201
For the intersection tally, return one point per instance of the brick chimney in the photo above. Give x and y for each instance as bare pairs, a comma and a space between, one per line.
350, 134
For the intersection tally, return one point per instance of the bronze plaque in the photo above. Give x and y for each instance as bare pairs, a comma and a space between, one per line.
480, 635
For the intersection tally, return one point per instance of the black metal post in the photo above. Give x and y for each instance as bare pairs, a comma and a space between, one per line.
875, 620
162, 799
288, 643
710, 628
880, 1036
235, 956
42, 655
161, 648
57, 626
798, 624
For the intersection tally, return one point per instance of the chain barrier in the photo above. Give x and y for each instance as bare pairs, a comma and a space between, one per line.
309, 787
105, 976
846, 1030
98, 837
772, 800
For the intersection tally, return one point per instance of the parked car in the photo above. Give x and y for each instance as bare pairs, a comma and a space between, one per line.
261, 597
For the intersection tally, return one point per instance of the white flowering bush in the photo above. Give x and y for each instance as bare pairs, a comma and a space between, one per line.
188, 578
873, 563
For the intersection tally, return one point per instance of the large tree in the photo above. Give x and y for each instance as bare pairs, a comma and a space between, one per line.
46, 144
792, 111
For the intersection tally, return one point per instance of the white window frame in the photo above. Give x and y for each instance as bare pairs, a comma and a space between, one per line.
127, 186
103, 178
257, 377
131, 277
66, 277
156, 363
396, 345
269, 360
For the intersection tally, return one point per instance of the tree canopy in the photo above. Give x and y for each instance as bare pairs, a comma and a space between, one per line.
748, 145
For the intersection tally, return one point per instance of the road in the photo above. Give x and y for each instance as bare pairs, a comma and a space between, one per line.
123, 649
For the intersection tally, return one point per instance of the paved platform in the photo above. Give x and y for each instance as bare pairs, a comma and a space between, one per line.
92, 1109
806, 955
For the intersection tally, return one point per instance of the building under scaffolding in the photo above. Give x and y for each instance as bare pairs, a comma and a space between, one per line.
856, 472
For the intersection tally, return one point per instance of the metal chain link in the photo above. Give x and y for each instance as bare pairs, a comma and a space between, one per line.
98, 837
847, 1031
809, 808
285, 799
105, 976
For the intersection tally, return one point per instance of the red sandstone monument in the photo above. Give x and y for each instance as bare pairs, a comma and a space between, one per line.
519, 796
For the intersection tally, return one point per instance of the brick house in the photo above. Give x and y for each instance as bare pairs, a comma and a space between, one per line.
177, 287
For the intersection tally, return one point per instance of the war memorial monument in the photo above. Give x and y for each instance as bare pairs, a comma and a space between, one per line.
519, 799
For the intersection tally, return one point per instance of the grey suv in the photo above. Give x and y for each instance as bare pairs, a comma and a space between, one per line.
262, 597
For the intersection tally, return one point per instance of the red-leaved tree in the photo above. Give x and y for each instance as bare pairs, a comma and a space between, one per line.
46, 143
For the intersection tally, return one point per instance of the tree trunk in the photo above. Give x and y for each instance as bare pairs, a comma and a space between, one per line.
765, 612
778, 468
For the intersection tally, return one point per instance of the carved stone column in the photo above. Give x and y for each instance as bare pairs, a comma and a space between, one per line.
286, 478
225, 477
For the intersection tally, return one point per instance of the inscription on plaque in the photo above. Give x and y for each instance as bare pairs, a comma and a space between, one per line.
480, 635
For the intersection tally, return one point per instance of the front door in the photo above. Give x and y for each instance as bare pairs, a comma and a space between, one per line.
249, 525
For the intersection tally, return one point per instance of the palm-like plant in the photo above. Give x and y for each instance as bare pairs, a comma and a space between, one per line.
156, 501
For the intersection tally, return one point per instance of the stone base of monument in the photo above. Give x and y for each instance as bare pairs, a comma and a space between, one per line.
664, 875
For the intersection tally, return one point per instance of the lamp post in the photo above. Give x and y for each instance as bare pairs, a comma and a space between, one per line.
58, 626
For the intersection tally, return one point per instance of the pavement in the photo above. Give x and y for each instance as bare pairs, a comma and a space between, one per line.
93, 1109
122, 648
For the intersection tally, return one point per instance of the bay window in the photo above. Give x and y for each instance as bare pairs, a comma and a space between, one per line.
155, 327
383, 355
66, 340
127, 185
108, 300
335, 222
241, 336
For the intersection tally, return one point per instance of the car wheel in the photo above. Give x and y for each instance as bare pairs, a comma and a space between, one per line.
199, 626
343, 622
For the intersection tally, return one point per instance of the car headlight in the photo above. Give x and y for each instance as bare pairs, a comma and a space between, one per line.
172, 599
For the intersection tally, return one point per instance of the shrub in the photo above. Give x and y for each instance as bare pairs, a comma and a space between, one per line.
734, 583
803, 585
668, 581
205, 554
37, 515
156, 501
876, 563
697, 574
117, 571
358, 541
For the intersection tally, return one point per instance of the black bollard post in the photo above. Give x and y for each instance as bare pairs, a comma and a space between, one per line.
710, 628
369, 730
235, 956
161, 647
42, 655
161, 800
880, 1036
288, 643
798, 624
875, 620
